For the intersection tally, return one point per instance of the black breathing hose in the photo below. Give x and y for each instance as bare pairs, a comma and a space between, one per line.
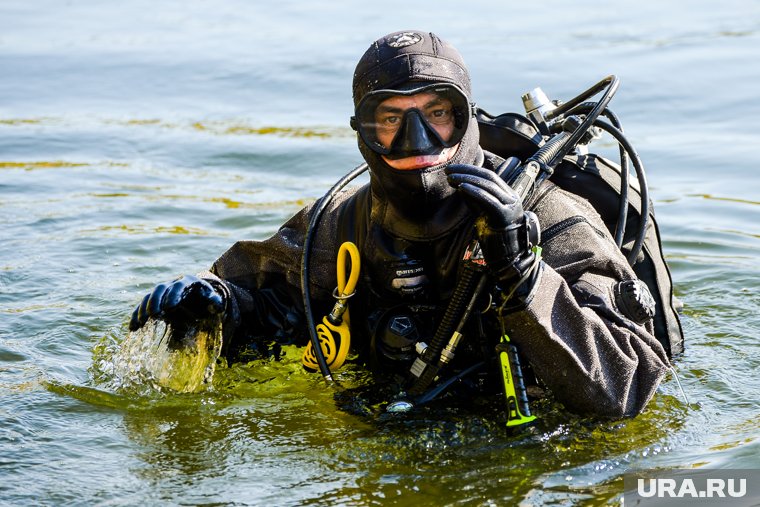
319, 208
624, 185
534, 169
558, 146
549, 151
637, 165
622, 219
612, 83
565, 107
577, 105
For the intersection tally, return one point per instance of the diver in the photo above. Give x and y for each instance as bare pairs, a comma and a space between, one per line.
582, 320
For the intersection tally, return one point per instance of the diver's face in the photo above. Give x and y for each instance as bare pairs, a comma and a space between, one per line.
438, 113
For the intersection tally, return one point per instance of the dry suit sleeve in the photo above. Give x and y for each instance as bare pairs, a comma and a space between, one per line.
260, 282
592, 357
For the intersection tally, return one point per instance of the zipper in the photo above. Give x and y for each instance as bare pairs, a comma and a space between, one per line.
559, 227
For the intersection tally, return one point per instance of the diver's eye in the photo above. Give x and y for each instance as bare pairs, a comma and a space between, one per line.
389, 122
439, 115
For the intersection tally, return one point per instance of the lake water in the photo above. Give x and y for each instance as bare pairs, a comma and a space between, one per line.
138, 140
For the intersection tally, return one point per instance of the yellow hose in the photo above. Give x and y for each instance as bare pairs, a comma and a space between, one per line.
335, 339
343, 287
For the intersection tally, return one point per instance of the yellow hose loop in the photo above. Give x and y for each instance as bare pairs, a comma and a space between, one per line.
335, 341
348, 248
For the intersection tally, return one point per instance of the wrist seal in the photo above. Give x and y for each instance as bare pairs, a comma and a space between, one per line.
514, 244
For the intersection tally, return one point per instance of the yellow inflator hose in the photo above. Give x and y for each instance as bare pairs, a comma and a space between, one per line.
334, 333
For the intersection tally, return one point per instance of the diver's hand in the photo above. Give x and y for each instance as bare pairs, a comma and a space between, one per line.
506, 232
487, 194
182, 301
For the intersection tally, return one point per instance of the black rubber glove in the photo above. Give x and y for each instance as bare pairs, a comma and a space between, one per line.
181, 302
506, 232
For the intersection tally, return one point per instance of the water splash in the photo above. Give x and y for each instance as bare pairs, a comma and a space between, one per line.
161, 358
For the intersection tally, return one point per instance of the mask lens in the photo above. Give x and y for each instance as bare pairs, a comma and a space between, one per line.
441, 113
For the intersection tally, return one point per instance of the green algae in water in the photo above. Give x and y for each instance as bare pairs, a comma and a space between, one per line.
161, 358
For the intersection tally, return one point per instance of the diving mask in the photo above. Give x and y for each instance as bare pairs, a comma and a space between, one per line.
405, 123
